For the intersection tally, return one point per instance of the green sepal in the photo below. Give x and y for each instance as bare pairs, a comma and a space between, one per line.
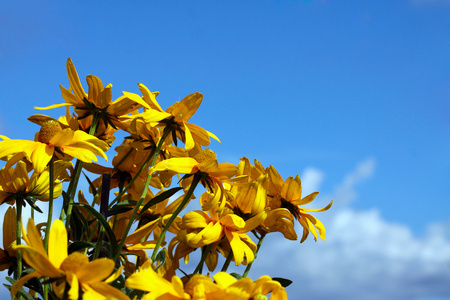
283, 281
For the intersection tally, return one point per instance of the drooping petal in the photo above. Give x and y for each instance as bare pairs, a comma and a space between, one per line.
19, 283
318, 209
317, 224
189, 142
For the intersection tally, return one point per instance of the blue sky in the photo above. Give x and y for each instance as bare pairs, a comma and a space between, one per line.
351, 95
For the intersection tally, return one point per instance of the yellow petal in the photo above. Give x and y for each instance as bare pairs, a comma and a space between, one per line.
95, 89
189, 142
9, 227
186, 108
70, 98
306, 200
74, 285
232, 221
149, 97
19, 283
74, 81
224, 280
95, 271
35, 238
291, 190
52, 106
57, 243
38, 262
108, 291
182, 165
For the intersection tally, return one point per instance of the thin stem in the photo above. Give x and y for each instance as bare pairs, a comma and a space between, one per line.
249, 266
71, 191
19, 203
186, 199
50, 202
206, 251
227, 261
76, 176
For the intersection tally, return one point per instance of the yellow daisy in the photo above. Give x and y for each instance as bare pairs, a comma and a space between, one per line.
51, 140
288, 194
74, 269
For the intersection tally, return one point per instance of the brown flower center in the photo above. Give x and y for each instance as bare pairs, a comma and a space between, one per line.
48, 130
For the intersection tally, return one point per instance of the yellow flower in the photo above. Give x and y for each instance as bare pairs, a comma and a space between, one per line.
159, 288
288, 194
97, 102
204, 164
51, 140
14, 182
177, 121
199, 229
74, 269
246, 289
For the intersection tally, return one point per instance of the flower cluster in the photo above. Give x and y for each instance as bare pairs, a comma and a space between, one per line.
123, 237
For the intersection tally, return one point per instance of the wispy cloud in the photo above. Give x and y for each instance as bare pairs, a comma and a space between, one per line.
345, 192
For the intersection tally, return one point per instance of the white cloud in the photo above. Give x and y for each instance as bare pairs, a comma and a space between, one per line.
363, 257
311, 180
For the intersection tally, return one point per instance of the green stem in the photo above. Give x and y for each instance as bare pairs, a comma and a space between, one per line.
227, 261
50, 202
186, 199
206, 251
249, 266
76, 176
154, 154
19, 203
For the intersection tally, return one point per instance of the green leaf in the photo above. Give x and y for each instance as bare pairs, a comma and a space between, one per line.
105, 224
79, 245
236, 275
118, 210
283, 281
91, 185
79, 224
161, 197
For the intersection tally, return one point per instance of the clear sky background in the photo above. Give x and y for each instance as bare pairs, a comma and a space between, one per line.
351, 95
